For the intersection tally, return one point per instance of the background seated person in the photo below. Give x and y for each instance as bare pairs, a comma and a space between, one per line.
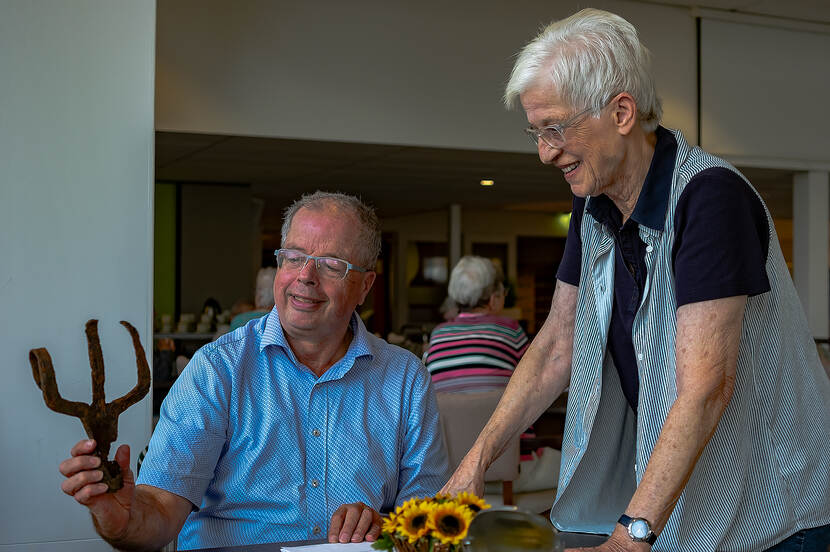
297, 426
477, 351
263, 298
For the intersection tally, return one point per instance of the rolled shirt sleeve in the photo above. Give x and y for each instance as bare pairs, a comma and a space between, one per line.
191, 432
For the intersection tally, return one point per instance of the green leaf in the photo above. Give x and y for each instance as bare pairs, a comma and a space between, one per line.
384, 543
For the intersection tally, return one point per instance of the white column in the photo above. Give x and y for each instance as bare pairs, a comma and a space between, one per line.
455, 234
76, 241
811, 213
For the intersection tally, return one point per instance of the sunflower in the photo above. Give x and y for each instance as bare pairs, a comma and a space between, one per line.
412, 522
449, 522
412, 502
390, 524
471, 501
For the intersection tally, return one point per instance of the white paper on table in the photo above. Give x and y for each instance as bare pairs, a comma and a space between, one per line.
331, 547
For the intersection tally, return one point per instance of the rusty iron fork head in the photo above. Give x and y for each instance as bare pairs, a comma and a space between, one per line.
100, 419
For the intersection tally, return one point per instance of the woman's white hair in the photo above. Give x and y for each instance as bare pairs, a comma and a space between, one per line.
472, 282
590, 57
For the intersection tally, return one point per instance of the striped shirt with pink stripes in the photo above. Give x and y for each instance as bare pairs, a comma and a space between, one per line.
474, 352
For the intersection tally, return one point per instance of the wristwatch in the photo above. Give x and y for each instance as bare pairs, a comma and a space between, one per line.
639, 529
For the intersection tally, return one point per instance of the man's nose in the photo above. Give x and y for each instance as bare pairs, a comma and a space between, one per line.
547, 154
308, 274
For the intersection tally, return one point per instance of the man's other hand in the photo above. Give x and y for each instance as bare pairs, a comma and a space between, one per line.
354, 522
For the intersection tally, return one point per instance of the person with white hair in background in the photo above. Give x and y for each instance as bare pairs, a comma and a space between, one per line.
479, 348
263, 298
698, 411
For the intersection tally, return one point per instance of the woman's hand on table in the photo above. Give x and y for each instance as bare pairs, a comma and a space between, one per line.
354, 522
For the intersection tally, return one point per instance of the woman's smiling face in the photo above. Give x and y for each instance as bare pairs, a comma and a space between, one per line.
592, 153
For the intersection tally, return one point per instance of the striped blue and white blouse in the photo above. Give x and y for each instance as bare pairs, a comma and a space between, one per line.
765, 473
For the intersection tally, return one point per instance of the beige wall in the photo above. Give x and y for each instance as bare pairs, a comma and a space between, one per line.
763, 93
415, 73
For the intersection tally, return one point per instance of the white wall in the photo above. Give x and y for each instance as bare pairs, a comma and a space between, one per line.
76, 158
764, 92
416, 73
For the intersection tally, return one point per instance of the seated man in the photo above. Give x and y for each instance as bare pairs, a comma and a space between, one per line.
295, 419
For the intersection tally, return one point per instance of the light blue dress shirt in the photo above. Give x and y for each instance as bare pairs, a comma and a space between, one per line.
268, 451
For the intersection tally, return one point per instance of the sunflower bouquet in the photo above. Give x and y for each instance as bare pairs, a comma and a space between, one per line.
436, 524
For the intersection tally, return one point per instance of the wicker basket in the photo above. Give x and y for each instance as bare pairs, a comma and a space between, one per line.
403, 545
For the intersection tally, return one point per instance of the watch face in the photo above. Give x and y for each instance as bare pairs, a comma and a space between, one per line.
639, 528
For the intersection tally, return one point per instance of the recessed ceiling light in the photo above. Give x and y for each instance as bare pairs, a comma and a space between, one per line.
487, 182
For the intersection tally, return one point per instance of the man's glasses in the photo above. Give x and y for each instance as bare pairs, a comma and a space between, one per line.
331, 268
554, 135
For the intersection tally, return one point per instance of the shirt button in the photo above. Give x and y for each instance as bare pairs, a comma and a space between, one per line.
639, 356
315, 432
649, 249
315, 483
316, 530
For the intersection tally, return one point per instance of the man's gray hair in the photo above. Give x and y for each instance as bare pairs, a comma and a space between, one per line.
590, 57
472, 282
368, 233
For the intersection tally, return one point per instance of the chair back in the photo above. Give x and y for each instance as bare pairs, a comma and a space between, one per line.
463, 416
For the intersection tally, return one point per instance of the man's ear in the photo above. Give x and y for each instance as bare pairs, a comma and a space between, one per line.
624, 112
368, 280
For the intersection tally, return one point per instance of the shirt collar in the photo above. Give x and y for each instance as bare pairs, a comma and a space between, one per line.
273, 334
653, 201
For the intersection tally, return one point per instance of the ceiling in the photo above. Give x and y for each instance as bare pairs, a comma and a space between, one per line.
397, 180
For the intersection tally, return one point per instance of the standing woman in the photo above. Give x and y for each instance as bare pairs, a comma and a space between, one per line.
698, 411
